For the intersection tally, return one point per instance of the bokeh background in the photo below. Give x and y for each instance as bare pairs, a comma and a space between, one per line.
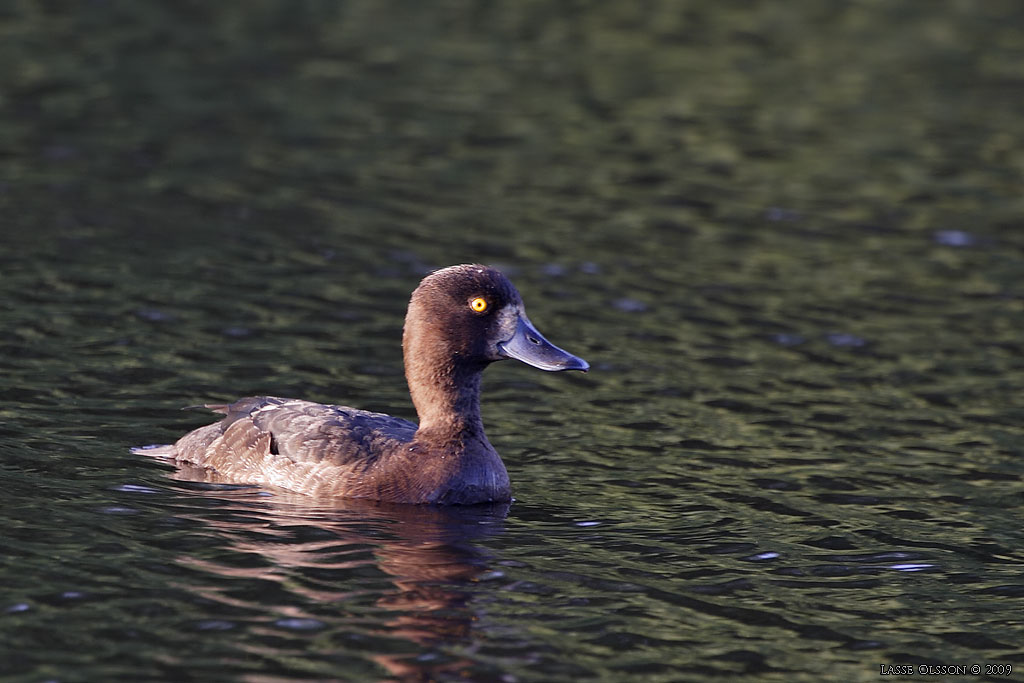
788, 236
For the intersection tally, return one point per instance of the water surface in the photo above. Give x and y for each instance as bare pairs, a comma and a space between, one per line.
786, 236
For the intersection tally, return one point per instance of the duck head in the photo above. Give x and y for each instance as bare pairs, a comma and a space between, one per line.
473, 315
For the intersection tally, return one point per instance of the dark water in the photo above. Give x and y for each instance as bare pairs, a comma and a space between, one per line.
789, 237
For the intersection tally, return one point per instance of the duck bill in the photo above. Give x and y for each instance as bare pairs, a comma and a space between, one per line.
529, 346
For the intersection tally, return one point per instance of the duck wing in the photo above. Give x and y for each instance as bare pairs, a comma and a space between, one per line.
292, 443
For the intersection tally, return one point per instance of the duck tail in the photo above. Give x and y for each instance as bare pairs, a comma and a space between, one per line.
156, 450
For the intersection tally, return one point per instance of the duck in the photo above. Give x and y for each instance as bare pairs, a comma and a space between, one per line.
460, 319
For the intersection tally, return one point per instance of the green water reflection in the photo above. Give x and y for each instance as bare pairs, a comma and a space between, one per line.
786, 235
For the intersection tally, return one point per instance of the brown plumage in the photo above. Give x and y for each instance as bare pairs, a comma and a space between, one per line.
460, 319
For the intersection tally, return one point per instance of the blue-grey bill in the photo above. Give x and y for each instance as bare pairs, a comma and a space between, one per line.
529, 346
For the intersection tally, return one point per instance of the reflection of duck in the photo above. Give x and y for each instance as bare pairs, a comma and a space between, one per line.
460, 320
315, 549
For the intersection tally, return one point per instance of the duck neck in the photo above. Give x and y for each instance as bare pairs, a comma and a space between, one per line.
447, 401
443, 382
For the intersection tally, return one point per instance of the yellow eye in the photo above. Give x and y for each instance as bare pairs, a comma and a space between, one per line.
478, 304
